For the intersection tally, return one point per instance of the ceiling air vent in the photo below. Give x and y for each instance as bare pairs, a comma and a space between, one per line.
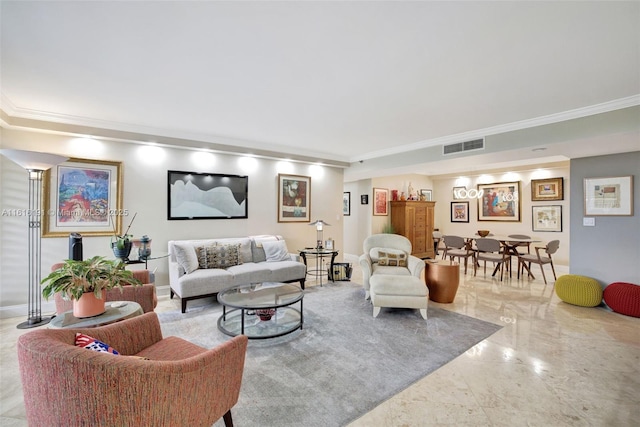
459, 147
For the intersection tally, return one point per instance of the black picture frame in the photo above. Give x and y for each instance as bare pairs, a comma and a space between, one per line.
459, 211
364, 199
346, 203
202, 195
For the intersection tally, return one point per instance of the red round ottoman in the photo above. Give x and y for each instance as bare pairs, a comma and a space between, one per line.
623, 298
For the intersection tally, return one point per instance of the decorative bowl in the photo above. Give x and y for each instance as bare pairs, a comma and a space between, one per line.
266, 314
483, 233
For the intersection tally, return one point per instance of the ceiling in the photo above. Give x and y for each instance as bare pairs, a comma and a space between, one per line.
339, 82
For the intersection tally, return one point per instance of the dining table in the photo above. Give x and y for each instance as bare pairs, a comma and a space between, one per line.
509, 243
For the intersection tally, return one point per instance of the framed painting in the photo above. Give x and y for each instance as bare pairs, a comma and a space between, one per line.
83, 196
380, 201
547, 189
294, 198
546, 218
364, 199
346, 203
194, 195
428, 194
459, 211
608, 196
499, 201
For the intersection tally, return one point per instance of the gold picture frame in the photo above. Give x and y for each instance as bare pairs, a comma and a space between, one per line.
499, 201
83, 196
547, 189
294, 198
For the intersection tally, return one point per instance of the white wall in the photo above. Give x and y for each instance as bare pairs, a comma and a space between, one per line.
145, 192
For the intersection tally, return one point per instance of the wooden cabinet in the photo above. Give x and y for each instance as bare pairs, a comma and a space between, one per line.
414, 220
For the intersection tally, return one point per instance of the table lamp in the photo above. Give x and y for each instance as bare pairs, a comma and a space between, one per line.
319, 224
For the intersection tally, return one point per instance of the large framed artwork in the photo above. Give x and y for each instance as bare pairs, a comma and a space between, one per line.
608, 196
459, 211
194, 195
546, 218
499, 201
346, 203
83, 196
547, 189
294, 198
380, 201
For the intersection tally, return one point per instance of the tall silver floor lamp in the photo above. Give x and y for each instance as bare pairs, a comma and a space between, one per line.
35, 164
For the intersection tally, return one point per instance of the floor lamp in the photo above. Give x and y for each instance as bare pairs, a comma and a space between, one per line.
35, 164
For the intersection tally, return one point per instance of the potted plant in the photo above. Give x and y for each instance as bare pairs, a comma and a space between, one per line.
121, 245
85, 281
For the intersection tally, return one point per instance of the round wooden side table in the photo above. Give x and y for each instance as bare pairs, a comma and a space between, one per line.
442, 277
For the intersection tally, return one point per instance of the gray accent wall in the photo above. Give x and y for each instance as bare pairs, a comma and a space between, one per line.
609, 251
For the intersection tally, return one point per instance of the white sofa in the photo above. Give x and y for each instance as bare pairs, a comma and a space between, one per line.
197, 272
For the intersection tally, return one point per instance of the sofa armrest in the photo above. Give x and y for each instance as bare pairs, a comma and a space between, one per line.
416, 265
175, 273
367, 269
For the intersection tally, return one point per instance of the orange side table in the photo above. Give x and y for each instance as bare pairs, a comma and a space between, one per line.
442, 277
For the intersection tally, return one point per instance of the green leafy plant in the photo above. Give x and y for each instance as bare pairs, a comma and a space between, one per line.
96, 274
388, 229
122, 240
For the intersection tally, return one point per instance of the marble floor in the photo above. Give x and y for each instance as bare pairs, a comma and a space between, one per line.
552, 364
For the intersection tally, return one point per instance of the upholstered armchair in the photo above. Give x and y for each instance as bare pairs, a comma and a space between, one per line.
388, 244
144, 295
179, 384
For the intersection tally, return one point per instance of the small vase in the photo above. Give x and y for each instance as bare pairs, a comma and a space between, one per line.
123, 253
88, 306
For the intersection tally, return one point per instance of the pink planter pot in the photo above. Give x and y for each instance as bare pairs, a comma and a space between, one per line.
88, 306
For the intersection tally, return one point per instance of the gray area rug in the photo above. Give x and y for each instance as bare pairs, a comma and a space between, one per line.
342, 364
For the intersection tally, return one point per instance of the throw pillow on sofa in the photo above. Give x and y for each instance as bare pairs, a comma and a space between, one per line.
276, 251
392, 258
222, 256
186, 257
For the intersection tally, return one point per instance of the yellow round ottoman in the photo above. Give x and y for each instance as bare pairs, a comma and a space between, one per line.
579, 290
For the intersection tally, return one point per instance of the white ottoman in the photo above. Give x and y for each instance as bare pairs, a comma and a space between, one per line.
399, 292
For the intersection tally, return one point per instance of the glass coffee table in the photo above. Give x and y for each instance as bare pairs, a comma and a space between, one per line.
261, 310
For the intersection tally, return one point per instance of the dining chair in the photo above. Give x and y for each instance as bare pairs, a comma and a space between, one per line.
539, 258
456, 247
490, 250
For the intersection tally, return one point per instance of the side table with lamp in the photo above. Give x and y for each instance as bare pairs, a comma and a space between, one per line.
320, 253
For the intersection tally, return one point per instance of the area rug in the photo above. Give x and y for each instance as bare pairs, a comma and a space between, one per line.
342, 364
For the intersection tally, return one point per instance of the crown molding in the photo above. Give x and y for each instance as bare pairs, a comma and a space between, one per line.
604, 107
12, 117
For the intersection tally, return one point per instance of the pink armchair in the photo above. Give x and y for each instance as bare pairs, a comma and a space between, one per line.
144, 295
181, 384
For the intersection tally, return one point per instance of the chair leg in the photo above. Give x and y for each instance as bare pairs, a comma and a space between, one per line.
543, 276
228, 422
376, 311
554, 271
